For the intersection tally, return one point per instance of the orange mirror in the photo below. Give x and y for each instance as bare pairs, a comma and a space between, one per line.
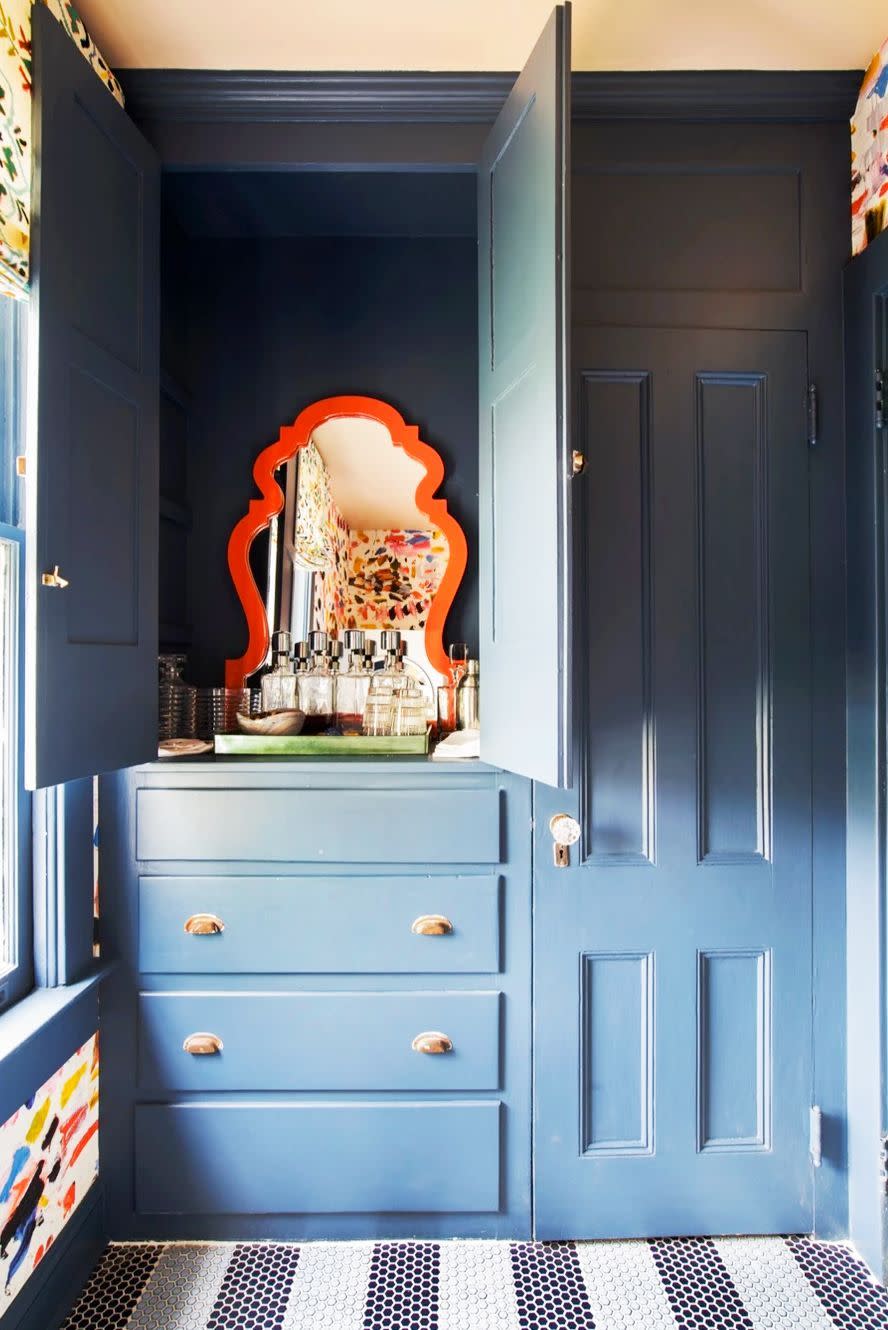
357, 538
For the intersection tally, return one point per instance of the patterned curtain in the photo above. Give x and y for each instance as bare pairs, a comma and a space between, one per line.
15, 127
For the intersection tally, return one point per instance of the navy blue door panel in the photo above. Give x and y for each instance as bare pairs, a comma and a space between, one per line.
92, 482
319, 1041
312, 925
673, 958
524, 471
269, 1159
358, 826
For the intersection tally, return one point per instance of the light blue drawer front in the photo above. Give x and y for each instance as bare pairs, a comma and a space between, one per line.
317, 1158
318, 925
319, 826
319, 1041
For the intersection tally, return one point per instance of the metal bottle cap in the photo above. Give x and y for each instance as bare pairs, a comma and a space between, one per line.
317, 641
390, 639
353, 639
281, 642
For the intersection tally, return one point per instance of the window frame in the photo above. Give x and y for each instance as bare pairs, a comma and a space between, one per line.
16, 982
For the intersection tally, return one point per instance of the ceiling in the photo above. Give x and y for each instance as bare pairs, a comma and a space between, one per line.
373, 481
462, 35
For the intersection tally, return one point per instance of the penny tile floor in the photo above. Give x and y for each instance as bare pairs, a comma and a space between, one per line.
674, 1284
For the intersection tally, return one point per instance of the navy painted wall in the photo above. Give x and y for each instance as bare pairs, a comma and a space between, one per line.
276, 323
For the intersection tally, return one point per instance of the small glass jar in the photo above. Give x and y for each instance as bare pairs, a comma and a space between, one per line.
378, 708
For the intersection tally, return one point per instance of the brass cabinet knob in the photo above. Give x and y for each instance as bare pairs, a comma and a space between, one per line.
54, 578
199, 924
201, 1043
431, 925
432, 1041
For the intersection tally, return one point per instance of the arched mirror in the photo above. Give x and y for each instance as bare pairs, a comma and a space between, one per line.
357, 538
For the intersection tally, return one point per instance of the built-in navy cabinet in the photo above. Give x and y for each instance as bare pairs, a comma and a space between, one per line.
102, 527
357, 1070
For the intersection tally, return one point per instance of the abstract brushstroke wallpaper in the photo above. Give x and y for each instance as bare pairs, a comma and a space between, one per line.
49, 1159
869, 155
15, 126
392, 577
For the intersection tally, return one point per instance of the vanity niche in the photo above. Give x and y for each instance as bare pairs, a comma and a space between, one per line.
345, 307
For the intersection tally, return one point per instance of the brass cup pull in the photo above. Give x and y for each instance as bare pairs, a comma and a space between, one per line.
200, 924
54, 579
431, 925
201, 1044
432, 1041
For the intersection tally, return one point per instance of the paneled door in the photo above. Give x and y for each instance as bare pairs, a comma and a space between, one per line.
523, 459
92, 463
673, 954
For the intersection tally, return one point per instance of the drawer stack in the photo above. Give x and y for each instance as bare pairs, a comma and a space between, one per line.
329, 1008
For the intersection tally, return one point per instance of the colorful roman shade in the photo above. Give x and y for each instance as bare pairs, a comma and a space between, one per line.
15, 127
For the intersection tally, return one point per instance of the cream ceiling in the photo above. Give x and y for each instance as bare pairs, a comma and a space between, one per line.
485, 34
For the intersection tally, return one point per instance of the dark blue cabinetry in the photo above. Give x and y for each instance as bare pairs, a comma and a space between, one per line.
316, 1117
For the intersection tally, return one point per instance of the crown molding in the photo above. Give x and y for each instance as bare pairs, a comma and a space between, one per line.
279, 97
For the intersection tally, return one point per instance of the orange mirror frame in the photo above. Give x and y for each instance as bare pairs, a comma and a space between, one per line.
262, 510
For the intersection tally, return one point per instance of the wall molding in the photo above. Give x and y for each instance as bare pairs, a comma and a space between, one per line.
281, 97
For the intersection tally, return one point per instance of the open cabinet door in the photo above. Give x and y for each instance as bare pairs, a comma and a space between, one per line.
92, 483
524, 464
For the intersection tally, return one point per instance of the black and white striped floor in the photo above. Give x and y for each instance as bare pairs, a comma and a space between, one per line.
679, 1284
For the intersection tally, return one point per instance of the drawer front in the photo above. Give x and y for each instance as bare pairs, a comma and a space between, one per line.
319, 826
319, 1041
319, 925
197, 1159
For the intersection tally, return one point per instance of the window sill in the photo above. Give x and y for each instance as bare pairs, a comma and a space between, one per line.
41, 1031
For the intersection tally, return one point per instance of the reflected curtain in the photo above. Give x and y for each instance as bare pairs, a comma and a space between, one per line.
15, 127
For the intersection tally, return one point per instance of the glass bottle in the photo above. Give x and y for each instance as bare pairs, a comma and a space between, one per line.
352, 684
280, 684
177, 700
317, 686
467, 698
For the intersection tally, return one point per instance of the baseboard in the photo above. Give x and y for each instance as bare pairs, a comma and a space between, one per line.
50, 1293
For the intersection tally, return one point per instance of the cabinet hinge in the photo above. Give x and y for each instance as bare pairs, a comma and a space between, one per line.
883, 1164
813, 413
816, 1136
879, 399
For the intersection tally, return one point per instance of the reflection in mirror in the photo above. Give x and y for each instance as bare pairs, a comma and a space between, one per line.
351, 548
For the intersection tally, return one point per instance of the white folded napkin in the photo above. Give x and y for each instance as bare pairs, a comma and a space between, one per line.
459, 744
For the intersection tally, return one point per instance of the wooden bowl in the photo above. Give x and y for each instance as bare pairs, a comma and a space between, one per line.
276, 722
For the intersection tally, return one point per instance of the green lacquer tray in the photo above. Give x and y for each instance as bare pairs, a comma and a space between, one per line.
320, 745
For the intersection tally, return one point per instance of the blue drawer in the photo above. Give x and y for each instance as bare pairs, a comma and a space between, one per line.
348, 826
208, 1159
318, 925
319, 1041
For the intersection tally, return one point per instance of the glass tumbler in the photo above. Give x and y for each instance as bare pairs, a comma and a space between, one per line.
217, 710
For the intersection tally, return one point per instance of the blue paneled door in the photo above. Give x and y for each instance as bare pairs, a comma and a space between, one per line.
92, 481
673, 954
524, 465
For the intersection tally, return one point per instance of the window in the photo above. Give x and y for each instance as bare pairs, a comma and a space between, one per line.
16, 960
